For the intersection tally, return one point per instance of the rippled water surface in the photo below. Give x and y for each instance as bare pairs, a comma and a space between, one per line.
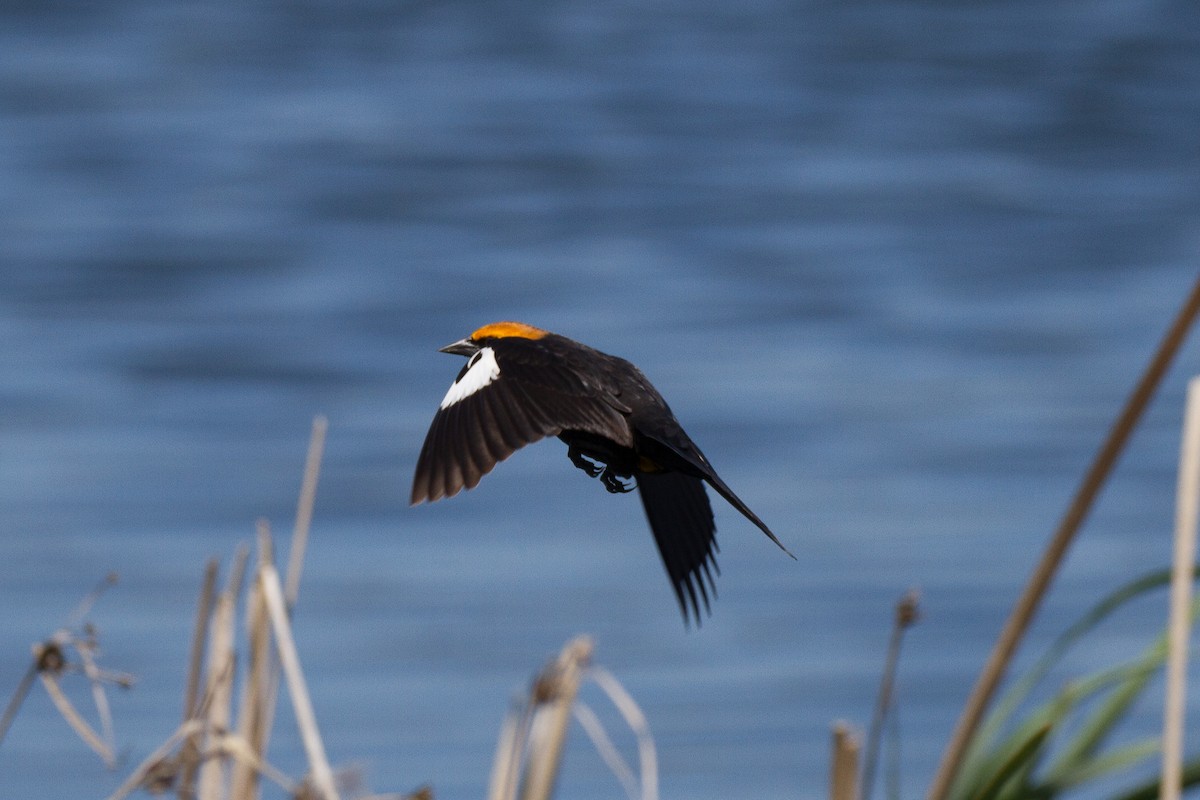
894, 264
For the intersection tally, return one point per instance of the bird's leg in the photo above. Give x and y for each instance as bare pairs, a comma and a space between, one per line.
581, 462
612, 481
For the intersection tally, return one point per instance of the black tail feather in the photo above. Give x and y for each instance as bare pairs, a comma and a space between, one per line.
681, 518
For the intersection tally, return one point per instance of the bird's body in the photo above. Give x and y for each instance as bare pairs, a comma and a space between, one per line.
522, 384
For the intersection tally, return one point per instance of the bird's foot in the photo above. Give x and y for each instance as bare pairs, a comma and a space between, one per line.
581, 462
612, 481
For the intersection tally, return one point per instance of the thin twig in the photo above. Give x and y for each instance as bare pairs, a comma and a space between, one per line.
96, 677
603, 743
85, 731
637, 722
188, 729
1182, 576
85, 605
14, 703
1039, 582
304, 509
906, 615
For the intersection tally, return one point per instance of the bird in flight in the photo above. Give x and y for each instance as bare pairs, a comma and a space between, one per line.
521, 384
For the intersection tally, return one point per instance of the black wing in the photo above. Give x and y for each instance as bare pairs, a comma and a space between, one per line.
681, 518
531, 397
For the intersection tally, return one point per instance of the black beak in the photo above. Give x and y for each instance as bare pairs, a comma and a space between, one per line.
463, 347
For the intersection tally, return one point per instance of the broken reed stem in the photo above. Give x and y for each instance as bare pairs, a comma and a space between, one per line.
506, 767
1039, 581
304, 509
251, 720
190, 752
14, 703
637, 722
76, 720
219, 692
843, 778
208, 587
85, 605
306, 720
1182, 576
556, 688
188, 730
608, 751
304, 512
99, 696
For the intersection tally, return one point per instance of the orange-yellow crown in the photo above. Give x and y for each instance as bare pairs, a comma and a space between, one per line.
500, 330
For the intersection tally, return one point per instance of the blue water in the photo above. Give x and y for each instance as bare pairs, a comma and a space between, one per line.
895, 265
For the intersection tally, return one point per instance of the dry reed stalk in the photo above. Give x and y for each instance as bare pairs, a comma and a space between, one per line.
299, 546
96, 677
251, 722
594, 728
49, 658
204, 607
637, 722
843, 778
189, 729
219, 692
189, 756
304, 509
1182, 575
18, 697
510, 747
555, 691
76, 720
1042, 576
306, 720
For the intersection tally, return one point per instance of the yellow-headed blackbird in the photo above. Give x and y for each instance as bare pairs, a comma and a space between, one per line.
522, 384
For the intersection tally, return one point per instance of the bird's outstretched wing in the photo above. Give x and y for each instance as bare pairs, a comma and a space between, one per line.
504, 399
681, 518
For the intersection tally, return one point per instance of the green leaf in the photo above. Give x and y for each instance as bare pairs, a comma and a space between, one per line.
1019, 763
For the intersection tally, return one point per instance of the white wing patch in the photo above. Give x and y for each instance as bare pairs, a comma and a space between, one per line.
482, 369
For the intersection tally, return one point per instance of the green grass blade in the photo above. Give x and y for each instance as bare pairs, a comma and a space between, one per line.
1012, 699
1020, 762
1096, 729
1111, 762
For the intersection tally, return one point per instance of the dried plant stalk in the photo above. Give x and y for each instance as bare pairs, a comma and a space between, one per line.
251, 722
304, 509
556, 688
220, 677
189, 756
306, 720
510, 751
843, 784
76, 720
637, 722
1182, 575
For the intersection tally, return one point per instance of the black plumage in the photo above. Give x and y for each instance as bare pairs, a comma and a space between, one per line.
522, 384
